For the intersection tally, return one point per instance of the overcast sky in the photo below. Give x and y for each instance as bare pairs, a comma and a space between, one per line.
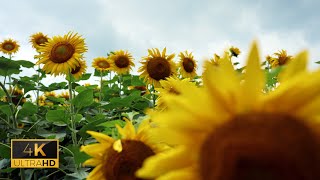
203, 27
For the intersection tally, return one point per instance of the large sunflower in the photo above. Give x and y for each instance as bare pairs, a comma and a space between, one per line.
62, 54
9, 46
119, 159
157, 66
231, 130
122, 61
101, 64
188, 65
78, 71
38, 39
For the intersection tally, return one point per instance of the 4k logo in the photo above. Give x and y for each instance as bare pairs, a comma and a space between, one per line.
34, 153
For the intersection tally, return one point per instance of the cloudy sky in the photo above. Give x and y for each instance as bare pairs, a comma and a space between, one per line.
203, 27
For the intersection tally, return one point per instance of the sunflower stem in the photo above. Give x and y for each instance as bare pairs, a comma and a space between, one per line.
22, 174
73, 124
38, 84
120, 84
153, 95
100, 92
11, 105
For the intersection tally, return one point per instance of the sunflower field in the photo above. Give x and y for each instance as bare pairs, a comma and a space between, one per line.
259, 121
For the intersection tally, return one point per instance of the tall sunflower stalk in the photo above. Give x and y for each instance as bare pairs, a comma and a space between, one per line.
72, 112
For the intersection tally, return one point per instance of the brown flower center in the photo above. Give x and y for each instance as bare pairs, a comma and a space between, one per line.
158, 68
264, 147
76, 70
188, 65
62, 52
103, 64
41, 40
8, 46
122, 62
123, 165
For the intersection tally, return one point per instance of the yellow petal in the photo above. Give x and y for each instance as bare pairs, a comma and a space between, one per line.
92, 162
185, 174
96, 174
294, 67
162, 163
94, 150
100, 137
164, 52
117, 146
128, 132
253, 78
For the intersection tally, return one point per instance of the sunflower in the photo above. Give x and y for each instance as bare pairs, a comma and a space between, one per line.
101, 64
188, 65
121, 61
173, 86
17, 96
79, 70
119, 159
64, 94
212, 62
157, 66
280, 58
9, 46
234, 51
231, 130
38, 39
143, 89
51, 94
60, 55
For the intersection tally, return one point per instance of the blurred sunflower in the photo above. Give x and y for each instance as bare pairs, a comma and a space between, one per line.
79, 70
64, 94
121, 61
188, 65
119, 159
171, 86
157, 66
281, 58
101, 64
61, 54
51, 94
234, 51
212, 62
231, 130
9, 46
17, 96
38, 39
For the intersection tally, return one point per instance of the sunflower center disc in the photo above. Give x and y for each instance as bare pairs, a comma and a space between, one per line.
264, 147
123, 165
103, 64
122, 62
8, 46
158, 68
41, 40
188, 65
61, 52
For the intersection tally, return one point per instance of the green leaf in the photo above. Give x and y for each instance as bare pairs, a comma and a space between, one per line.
78, 117
85, 76
8, 67
5, 151
83, 99
136, 81
318, 62
79, 157
59, 116
79, 173
2, 93
97, 73
28, 109
6, 109
24, 63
